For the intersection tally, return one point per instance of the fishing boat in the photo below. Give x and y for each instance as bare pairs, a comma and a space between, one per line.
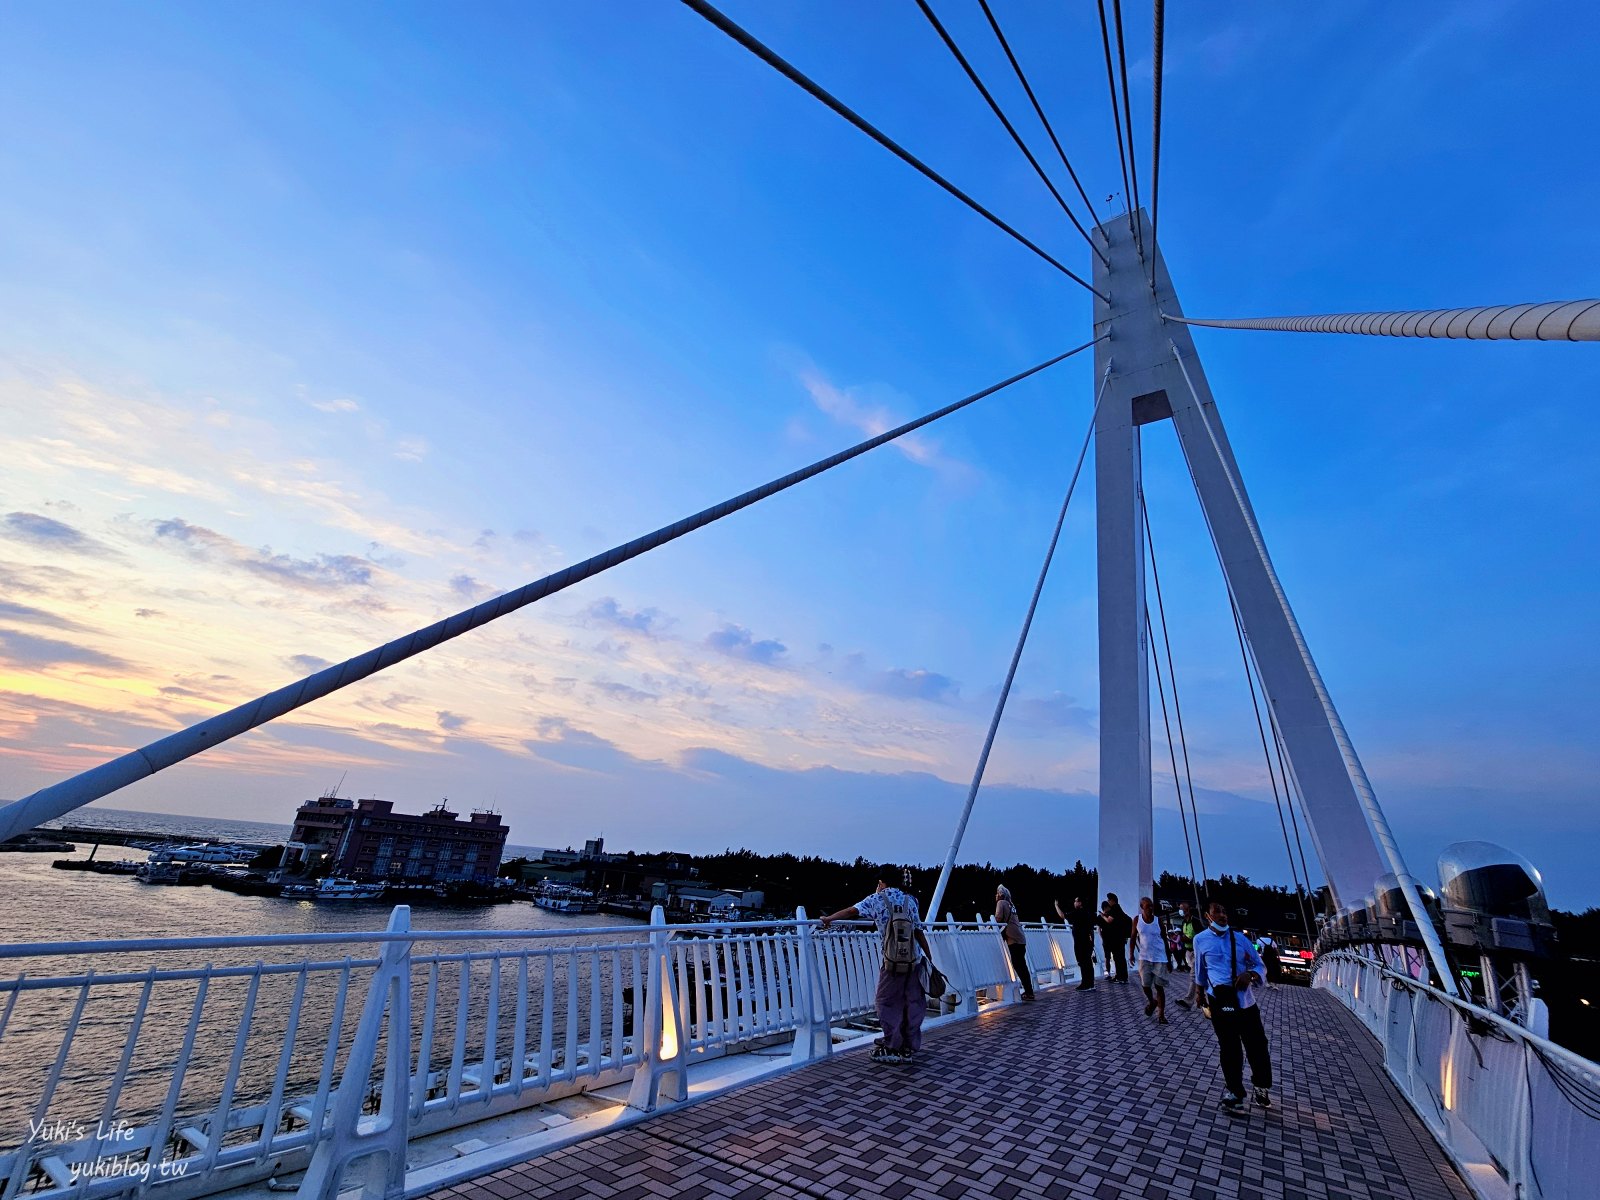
333, 889
564, 898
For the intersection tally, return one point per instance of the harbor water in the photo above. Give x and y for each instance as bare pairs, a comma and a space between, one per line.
42, 904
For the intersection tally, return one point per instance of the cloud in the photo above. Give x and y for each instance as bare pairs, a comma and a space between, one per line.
39, 530
608, 612
465, 587
26, 650
1056, 711
148, 612
915, 684
450, 722
846, 407
621, 691
23, 614
411, 449
341, 404
738, 642
325, 572
306, 663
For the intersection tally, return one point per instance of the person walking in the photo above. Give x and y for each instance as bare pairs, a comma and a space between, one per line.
1081, 920
1188, 924
902, 996
1227, 971
1271, 957
1150, 935
1115, 929
1005, 915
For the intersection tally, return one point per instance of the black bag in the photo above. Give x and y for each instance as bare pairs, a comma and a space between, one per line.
1225, 996
938, 985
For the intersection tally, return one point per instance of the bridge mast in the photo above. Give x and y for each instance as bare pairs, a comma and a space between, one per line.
1155, 375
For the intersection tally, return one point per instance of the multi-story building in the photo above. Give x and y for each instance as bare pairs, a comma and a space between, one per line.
367, 839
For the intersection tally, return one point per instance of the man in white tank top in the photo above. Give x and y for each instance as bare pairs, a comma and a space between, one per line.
1152, 942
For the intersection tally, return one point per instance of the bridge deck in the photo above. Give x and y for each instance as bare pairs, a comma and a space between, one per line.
1076, 1097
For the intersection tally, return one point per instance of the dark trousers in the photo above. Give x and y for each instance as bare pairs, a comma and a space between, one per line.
902, 1000
1119, 955
1019, 963
1240, 1034
1083, 951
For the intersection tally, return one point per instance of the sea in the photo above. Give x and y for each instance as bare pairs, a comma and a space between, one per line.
39, 904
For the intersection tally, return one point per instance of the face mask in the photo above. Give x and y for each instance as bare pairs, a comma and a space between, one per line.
1219, 928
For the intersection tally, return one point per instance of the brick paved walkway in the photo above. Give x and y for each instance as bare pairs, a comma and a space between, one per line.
1076, 1097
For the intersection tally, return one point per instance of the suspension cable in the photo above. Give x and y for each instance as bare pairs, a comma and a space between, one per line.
1366, 798
804, 82
1172, 674
1127, 121
1038, 109
1292, 790
994, 106
1155, 137
47, 803
1277, 800
1172, 753
1016, 658
1116, 113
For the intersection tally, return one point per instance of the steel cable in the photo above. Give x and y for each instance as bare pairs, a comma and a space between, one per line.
817, 91
1160, 24
47, 803
1016, 659
1116, 112
994, 107
1172, 675
1127, 121
1038, 109
1272, 777
1172, 753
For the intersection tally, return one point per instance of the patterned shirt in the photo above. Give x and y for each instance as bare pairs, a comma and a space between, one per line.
876, 908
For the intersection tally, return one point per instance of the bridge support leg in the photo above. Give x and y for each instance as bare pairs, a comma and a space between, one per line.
663, 1072
814, 1038
383, 1144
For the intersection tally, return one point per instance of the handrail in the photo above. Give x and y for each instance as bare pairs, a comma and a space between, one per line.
1518, 1114
380, 937
313, 1076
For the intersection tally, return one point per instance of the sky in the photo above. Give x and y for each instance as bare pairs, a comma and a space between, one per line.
319, 323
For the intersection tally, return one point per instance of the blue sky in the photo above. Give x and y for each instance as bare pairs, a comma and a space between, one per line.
318, 322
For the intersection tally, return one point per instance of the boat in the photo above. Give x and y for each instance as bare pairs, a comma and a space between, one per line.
171, 873
333, 889
564, 898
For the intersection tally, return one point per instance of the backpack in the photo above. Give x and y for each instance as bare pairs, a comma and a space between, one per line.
900, 937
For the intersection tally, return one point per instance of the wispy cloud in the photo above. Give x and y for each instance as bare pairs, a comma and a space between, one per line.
738, 642
38, 530
853, 408
606, 611
30, 651
324, 572
914, 683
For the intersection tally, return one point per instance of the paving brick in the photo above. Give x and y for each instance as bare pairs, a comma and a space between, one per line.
1077, 1097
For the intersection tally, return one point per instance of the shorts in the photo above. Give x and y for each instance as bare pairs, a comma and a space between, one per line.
1153, 974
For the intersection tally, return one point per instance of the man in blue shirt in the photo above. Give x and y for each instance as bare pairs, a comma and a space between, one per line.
1224, 959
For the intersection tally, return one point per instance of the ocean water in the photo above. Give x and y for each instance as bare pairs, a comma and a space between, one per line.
41, 905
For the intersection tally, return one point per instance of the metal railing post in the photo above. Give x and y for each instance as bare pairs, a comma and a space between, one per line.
663, 1071
814, 1038
343, 1141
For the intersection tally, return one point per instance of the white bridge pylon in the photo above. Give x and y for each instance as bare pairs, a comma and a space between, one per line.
1154, 374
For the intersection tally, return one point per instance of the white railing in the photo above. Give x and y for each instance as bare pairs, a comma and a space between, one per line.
121, 1068
1519, 1115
